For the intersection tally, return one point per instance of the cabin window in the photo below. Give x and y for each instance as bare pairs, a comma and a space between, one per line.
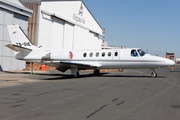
116, 54
91, 54
103, 54
109, 54
134, 53
85, 54
97, 54
141, 52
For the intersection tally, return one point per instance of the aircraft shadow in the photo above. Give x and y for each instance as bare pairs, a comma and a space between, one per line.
63, 77
41, 76
130, 76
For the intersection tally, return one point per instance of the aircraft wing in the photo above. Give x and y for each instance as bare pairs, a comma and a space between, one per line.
79, 65
63, 66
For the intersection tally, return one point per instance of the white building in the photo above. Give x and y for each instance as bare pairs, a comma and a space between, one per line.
11, 12
53, 24
63, 24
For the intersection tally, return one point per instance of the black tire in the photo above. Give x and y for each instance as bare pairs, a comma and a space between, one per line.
77, 75
153, 74
96, 72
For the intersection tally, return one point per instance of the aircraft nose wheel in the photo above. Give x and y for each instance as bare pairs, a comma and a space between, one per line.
153, 74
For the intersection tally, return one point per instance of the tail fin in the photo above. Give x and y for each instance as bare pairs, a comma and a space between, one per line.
19, 40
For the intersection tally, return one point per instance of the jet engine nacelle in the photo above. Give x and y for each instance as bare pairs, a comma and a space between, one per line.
54, 56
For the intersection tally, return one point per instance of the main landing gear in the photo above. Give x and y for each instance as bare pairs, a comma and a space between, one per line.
153, 74
96, 72
74, 72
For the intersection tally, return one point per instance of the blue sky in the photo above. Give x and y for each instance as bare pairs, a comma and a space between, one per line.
153, 25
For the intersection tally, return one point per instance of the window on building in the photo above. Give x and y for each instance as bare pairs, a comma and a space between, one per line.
85, 54
109, 54
97, 54
91, 54
103, 54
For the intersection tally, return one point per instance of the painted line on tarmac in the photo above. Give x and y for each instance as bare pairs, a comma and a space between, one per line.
148, 100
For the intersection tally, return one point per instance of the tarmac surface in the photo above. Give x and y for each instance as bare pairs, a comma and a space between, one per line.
127, 95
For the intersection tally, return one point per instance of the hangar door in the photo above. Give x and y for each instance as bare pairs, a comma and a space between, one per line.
68, 36
7, 56
57, 33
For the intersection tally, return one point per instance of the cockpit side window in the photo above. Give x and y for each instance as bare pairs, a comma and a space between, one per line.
134, 53
141, 52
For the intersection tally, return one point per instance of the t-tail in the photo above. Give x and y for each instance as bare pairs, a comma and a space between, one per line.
19, 40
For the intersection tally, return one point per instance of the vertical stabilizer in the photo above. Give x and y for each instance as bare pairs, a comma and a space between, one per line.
19, 40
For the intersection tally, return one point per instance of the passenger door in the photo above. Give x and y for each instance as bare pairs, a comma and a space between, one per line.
116, 55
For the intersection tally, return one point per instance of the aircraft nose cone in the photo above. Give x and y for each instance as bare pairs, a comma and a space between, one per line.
170, 62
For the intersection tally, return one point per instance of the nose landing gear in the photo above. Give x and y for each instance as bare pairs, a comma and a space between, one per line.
153, 74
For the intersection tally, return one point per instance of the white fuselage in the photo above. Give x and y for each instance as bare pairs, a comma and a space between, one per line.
76, 60
104, 59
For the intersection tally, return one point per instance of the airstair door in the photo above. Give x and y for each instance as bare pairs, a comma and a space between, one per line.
116, 55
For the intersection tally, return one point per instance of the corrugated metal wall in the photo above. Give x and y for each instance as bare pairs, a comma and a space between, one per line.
7, 59
32, 25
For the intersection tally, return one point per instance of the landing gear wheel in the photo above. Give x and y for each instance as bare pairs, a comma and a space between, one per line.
96, 72
76, 75
153, 74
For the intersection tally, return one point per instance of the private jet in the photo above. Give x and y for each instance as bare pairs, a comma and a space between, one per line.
76, 60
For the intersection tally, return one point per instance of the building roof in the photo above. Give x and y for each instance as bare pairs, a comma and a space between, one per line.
15, 6
39, 2
31, 1
16, 2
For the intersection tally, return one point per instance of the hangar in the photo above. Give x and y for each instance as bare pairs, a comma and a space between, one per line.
11, 12
63, 24
52, 24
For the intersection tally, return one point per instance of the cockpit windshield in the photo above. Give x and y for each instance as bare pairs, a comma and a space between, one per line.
137, 53
141, 52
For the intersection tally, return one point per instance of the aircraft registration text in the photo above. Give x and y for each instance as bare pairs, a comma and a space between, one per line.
23, 44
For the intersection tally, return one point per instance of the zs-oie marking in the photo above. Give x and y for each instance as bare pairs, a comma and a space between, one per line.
23, 44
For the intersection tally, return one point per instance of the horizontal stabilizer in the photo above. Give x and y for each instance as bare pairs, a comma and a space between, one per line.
17, 48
